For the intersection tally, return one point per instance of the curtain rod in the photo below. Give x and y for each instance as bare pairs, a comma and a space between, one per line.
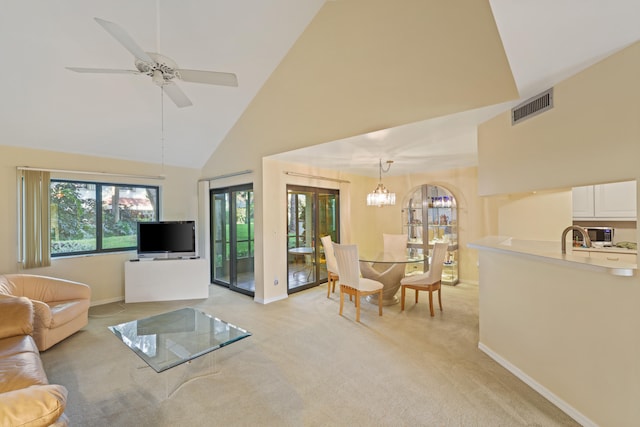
124, 175
228, 175
325, 178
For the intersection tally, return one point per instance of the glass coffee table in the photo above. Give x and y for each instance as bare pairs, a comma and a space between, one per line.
178, 337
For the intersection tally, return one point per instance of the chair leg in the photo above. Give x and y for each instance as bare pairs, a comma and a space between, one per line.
431, 303
416, 296
341, 300
380, 303
439, 300
357, 306
402, 292
328, 286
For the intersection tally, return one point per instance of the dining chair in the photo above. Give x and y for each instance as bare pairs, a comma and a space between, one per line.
351, 283
395, 243
429, 281
332, 264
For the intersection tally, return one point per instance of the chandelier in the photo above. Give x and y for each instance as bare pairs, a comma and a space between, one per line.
381, 196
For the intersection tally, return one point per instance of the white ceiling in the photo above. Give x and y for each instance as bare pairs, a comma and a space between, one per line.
48, 107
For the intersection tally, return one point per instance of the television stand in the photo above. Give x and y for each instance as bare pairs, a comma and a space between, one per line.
171, 279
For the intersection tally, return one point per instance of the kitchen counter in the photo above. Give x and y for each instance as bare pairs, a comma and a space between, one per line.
548, 251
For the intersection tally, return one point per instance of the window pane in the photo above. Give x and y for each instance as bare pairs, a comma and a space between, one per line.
73, 217
91, 217
122, 208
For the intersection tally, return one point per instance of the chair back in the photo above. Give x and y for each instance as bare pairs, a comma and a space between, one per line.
329, 255
348, 264
437, 261
395, 244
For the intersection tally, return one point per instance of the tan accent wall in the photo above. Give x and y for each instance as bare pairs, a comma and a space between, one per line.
590, 136
104, 273
573, 332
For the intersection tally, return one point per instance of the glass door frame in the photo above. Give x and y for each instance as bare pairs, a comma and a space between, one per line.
316, 245
232, 238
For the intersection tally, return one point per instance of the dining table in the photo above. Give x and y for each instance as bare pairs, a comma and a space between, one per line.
388, 269
307, 253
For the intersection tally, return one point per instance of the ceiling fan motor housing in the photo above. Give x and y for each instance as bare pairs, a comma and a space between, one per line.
162, 71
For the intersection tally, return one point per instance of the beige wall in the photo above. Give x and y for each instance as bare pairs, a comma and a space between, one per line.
541, 215
590, 136
104, 273
572, 332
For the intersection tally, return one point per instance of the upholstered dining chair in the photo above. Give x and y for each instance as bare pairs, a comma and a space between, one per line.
332, 264
395, 243
351, 283
429, 281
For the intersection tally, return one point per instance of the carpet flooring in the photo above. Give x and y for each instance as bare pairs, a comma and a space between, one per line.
304, 365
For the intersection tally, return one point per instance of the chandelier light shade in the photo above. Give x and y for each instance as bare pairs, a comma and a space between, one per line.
381, 196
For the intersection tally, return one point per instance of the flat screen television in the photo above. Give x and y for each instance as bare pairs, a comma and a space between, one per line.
167, 239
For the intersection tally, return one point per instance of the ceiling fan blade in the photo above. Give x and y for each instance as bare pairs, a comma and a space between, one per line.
102, 70
208, 77
125, 40
177, 95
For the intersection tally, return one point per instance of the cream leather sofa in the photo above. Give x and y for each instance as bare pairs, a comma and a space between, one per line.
61, 306
26, 397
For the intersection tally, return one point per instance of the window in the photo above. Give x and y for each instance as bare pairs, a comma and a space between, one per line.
93, 217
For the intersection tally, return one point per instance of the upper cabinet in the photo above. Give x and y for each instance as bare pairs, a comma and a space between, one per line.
614, 202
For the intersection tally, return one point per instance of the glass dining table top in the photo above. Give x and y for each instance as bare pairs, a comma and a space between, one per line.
391, 258
170, 339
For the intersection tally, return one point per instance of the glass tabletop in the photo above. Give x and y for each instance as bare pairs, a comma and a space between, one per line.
391, 258
169, 339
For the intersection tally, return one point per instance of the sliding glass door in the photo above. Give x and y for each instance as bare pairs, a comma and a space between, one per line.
232, 237
311, 213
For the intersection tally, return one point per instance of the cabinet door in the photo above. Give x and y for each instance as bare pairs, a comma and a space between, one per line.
617, 200
582, 200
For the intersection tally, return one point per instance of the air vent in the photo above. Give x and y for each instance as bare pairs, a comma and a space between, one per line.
532, 106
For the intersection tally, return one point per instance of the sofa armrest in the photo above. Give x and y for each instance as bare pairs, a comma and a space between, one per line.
38, 405
49, 289
16, 316
42, 316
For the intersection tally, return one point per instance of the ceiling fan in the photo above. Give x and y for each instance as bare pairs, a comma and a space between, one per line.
162, 70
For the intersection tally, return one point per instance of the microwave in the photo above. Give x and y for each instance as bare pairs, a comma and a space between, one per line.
603, 235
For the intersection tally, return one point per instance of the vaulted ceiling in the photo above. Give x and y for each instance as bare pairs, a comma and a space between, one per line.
292, 57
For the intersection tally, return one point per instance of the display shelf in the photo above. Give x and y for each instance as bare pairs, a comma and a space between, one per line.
430, 216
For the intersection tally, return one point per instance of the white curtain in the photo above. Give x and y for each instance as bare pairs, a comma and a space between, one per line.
35, 220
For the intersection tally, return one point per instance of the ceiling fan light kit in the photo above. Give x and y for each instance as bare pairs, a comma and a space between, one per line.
162, 70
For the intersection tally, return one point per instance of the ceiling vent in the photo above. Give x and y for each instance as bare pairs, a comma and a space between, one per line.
532, 106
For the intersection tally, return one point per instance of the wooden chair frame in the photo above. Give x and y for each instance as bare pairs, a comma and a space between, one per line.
352, 292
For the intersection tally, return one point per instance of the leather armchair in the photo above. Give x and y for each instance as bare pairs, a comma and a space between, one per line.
61, 306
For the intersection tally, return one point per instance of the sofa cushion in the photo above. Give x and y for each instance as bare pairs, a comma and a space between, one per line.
16, 316
40, 405
22, 368
65, 311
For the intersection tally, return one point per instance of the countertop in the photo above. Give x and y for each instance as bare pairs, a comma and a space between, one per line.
548, 251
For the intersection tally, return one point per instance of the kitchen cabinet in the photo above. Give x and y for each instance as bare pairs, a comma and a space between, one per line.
615, 201
429, 216
615, 256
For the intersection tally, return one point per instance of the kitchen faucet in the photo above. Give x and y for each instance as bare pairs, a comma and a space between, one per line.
586, 241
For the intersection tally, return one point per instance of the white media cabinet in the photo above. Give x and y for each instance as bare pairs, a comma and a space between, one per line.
166, 279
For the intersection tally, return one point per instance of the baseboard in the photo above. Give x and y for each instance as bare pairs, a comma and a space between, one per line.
545, 392
270, 300
106, 301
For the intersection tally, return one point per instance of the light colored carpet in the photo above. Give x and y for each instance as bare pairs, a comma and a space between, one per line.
305, 366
